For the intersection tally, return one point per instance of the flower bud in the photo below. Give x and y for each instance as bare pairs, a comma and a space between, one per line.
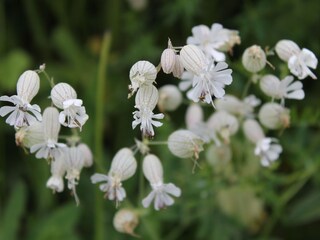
147, 96
274, 116
193, 59
178, 67
286, 48
168, 59
123, 165
62, 92
219, 156
152, 169
51, 125
142, 73
88, 157
194, 115
28, 85
185, 144
125, 221
253, 130
254, 59
170, 98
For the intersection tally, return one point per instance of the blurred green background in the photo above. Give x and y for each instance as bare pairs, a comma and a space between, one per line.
238, 201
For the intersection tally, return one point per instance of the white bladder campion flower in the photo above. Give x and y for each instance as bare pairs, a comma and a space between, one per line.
299, 61
49, 148
23, 113
123, 166
65, 97
254, 59
168, 59
153, 171
193, 59
30, 135
266, 148
58, 170
286, 88
142, 73
125, 221
74, 160
185, 144
224, 124
170, 98
146, 100
274, 116
213, 41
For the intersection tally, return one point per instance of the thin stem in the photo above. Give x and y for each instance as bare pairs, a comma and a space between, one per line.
50, 80
246, 88
100, 221
157, 143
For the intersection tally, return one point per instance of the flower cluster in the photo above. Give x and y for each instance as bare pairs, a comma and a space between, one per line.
39, 132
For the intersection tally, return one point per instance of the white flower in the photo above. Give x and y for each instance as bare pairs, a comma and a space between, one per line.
49, 148
58, 169
210, 40
299, 61
170, 98
254, 59
125, 221
178, 67
224, 124
88, 157
193, 59
74, 161
27, 87
153, 171
123, 166
65, 97
299, 64
186, 80
142, 73
185, 144
233, 38
274, 116
285, 88
146, 100
266, 148
30, 135
210, 82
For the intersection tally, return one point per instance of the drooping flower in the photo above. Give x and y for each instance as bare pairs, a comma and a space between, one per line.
125, 221
146, 100
23, 113
213, 41
266, 148
299, 61
123, 166
170, 98
49, 148
58, 170
285, 88
153, 171
274, 116
74, 161
65, 97
224, 124
142, 73
185, 144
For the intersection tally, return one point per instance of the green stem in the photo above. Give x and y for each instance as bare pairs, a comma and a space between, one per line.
100, 221
246, 88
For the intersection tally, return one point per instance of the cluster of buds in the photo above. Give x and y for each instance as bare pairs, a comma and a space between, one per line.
40, 132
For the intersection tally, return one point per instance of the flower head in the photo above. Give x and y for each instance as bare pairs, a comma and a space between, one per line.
58, 169
65, 97
123, 166
153, 171
142, 73
49, 148
23, 113
254, 59
274, 116
146, 100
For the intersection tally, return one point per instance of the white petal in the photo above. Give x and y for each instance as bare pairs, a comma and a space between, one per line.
98, 177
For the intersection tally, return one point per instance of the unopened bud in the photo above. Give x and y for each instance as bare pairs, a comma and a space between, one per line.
178, 67
168, 59
125, 221
254, 59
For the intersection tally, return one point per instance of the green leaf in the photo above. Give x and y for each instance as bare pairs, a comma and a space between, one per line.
304, 210
59, 224
13, 212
